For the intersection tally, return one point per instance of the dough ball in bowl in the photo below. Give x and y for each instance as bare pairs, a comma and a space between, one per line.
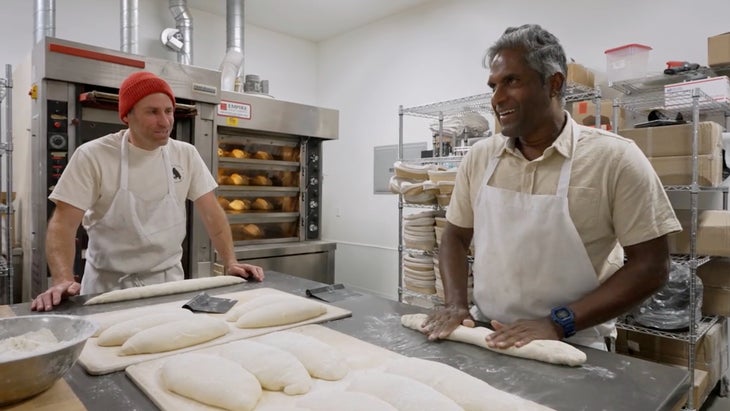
37, 350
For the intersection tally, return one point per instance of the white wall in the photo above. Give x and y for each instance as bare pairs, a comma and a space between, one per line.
433, 53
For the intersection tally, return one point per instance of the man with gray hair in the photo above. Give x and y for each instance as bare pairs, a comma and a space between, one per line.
551, 207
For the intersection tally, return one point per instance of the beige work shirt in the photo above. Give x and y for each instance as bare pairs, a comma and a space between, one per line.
614, 196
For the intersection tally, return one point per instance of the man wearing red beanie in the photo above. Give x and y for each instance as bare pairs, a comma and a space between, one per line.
129, 190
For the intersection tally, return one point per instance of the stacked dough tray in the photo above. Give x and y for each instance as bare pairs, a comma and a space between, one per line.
420, 239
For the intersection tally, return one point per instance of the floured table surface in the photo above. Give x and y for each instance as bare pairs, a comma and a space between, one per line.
97, 360
360, 356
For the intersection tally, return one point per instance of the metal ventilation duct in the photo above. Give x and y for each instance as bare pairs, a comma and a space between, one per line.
44, 15
129, 26
232, 64
184, 20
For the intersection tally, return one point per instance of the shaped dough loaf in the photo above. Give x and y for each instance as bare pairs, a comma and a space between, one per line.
282, 312
211, 380
405, 394
172, 287
275, 368
255, 302
107, 321
320, 359
118, 333
550, 351
175, 335
469, 392
335, 400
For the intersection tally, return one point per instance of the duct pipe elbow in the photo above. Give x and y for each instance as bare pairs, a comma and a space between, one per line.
230, 67
184, 23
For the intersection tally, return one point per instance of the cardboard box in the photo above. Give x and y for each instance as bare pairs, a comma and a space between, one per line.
718, 50
713, 233
715, 276
677, 170
679, 95
578, 74
676, 140
711, 351
700, 390
584, 112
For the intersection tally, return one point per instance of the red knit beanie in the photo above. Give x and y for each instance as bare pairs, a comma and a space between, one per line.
138, 86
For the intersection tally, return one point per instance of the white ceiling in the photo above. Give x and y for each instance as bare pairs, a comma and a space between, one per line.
313, 20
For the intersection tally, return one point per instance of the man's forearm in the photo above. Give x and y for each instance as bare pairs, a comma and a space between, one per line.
222, 239
60, 250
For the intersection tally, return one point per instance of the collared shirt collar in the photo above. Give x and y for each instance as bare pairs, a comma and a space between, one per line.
562, 144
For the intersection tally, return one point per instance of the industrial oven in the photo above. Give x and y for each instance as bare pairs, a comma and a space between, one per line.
275, 146
268, 162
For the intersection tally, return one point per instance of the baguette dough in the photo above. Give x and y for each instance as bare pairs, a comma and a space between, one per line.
550, 351
174, 335
320, 359
279, 313
405, 394
256, 302
469, 392
276, 369
172, 287
107, 321
118, 333
211, 380
331, 400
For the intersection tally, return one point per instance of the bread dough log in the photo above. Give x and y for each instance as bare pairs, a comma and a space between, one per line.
550, 351
172, 287
280, 313
211, 380
115, 318
281, 408
175, 335
118, 333
332, 400
256, 302
405, 394
469, 392
320, 359
276, 369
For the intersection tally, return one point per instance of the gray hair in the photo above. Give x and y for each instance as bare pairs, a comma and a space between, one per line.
543, 52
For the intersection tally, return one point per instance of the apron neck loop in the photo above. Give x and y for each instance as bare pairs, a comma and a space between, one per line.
124, 175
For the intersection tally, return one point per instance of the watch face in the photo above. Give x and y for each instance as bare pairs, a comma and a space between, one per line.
562, 314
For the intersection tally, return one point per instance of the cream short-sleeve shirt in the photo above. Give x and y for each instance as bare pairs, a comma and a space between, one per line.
614, 194
91, 178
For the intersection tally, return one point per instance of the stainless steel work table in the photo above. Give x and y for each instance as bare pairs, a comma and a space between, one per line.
606, 382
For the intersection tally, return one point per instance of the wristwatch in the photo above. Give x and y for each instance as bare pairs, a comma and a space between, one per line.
565, 319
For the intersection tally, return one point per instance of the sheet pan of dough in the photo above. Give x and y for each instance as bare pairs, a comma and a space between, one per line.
360, 356
97, 360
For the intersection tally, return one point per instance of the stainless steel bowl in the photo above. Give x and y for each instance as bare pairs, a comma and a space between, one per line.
24, 376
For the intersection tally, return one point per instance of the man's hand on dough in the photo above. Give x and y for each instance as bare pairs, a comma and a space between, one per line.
521, 332
247, 271
442, 322
54, 295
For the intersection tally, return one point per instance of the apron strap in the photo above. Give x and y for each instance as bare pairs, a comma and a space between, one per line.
564, 180
124, 173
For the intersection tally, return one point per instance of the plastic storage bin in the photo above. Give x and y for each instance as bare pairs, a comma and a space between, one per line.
627, 62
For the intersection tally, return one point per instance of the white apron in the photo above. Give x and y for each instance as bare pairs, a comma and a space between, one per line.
137, 242
529, 256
